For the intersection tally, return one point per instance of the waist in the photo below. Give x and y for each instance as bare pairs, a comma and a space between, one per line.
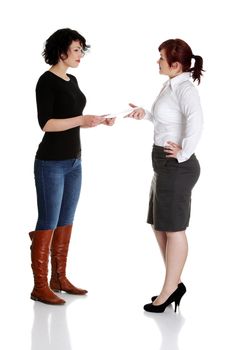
158, 152
59, 146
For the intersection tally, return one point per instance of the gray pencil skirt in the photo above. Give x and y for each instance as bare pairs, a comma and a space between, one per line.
170, 194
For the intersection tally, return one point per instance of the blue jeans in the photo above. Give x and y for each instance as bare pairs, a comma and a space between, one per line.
58, 185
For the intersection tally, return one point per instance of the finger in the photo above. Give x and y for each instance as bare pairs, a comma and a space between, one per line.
173, 144
130, 115
132, 105
108, 120
167, 150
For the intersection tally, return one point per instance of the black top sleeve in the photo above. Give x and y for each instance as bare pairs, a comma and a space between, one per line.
45, 101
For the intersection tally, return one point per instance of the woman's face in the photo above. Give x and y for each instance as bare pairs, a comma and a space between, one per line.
74, 55
164, 67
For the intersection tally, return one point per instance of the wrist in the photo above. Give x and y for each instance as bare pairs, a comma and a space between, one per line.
80, 120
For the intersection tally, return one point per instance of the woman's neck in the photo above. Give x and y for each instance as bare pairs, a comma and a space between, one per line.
60, 70
175, 75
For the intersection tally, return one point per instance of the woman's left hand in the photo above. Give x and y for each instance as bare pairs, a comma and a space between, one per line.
109, 121
172, 149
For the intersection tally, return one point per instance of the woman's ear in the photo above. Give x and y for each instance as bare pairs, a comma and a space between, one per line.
177, 66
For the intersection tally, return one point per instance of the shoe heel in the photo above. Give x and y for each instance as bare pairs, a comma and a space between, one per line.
179, 297
177, 303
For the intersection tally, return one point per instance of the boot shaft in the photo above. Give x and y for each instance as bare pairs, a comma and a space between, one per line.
40, 247
59, 252
59, 249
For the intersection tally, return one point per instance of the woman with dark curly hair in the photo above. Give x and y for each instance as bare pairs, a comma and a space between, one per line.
177, 118
57, 168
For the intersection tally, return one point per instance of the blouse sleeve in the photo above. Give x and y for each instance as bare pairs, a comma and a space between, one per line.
148, 115
44, 100
191, 109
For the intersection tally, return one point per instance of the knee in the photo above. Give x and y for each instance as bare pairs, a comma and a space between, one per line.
174, 235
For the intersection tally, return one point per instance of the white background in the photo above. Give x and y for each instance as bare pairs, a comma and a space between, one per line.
113, 252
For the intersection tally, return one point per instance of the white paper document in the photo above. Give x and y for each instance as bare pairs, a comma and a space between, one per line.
121, 114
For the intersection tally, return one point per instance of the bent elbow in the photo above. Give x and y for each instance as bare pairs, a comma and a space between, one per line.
46, 127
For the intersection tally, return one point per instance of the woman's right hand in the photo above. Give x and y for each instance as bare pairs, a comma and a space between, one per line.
138, 113
90, 121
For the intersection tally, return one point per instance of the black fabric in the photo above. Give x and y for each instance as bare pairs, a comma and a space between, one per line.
59, 99
170, 195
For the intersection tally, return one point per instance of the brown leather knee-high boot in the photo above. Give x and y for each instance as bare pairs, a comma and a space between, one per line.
39, 254
59, 252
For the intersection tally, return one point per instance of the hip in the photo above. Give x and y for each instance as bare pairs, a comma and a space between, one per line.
57, 167
162, 164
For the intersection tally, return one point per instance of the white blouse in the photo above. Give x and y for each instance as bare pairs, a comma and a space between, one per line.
177, 115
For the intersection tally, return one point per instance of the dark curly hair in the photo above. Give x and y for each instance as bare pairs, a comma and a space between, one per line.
178, 50
58, 44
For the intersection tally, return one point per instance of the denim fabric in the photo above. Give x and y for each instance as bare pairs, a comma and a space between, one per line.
58, 185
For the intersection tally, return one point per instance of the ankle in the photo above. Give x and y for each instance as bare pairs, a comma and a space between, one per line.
169, 289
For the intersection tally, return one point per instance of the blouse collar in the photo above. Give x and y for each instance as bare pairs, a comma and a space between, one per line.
178, 79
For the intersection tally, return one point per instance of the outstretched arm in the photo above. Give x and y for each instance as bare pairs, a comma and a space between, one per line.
88, 121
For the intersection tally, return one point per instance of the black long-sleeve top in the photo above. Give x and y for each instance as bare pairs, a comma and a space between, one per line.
59, 99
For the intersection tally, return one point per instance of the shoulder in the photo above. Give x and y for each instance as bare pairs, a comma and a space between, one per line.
46, 80
186, 90
46, 77
72, 78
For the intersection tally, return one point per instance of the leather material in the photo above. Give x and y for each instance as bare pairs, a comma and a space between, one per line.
59, 252
39, 256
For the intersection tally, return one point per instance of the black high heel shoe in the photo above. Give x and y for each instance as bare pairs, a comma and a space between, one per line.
180, 285
174, 297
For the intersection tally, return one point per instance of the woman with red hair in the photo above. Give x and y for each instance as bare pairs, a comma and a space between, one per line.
177, 118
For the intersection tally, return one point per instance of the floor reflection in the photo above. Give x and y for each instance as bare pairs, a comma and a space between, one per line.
50, 330
169, 324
